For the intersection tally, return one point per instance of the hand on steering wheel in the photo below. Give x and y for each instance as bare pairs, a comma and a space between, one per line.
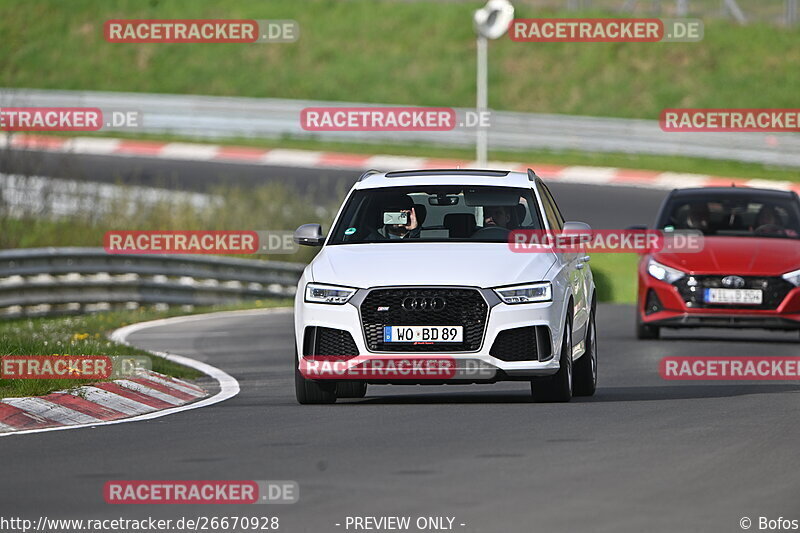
768, 229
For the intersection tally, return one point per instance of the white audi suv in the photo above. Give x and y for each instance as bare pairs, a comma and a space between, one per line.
418, 282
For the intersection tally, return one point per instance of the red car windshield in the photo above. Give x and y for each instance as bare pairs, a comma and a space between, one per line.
734, 215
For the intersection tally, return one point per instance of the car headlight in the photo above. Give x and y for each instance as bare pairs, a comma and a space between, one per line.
793, 277
525, 294
663, 272
328, 294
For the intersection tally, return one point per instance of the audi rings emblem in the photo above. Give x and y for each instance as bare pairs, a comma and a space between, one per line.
423, 303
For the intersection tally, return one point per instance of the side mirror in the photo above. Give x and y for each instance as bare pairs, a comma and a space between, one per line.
577, 227
309, 235
637, 227
577, 232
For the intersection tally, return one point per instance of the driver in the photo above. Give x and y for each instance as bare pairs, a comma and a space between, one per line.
768, 222
496, 215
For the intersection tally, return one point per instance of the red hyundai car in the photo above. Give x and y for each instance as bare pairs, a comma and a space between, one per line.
747, 274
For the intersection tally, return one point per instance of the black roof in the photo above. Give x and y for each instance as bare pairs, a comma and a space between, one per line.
731, 191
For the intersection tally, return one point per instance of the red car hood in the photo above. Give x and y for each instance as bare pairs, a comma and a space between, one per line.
738, 255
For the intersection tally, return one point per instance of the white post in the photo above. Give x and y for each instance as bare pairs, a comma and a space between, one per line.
491, 22
482, 102
791, 12
682, 8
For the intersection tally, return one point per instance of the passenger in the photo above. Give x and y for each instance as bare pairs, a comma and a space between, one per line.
497, 215
698, 217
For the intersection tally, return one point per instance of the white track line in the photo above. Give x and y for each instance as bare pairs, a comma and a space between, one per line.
189, 151
228, 386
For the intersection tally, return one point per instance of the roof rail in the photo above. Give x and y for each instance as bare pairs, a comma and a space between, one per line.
368, 173
457, 171
532, 175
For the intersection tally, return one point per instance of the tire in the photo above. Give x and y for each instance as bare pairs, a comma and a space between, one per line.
308, 391
646, 331
351, 389
558, 387
585, 369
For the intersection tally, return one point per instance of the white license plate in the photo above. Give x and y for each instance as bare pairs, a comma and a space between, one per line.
426, 334
734, 296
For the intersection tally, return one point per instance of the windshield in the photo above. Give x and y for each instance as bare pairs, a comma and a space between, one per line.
435, 214
734, 215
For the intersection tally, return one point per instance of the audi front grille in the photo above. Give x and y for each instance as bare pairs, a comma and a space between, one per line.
424, 307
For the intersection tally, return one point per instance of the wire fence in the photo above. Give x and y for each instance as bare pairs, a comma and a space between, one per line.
778, 12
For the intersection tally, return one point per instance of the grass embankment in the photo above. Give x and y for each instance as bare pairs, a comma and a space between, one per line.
84, 335
397, 52
420, 53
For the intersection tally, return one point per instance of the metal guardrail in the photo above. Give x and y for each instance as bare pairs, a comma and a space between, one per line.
54, 281
212, 117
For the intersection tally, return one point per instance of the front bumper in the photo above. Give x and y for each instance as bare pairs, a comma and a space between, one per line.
500, 317
663, 304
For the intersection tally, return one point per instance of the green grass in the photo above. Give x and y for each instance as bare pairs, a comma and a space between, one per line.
396, 52
86, 335
615, 277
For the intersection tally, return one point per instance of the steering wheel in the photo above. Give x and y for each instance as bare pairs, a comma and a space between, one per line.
491, 231
768, 229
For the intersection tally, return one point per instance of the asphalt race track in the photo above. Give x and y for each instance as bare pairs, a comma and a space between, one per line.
644, 454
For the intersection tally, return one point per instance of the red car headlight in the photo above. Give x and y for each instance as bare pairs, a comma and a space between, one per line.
663, 272
793, 277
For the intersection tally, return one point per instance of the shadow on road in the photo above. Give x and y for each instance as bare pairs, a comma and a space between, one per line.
696, 391
772, 339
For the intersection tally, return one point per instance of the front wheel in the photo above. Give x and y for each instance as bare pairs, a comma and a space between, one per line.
646, 331
309, 391
585, 374
558, 387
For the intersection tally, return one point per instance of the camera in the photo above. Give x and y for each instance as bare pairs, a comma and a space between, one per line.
396, 217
